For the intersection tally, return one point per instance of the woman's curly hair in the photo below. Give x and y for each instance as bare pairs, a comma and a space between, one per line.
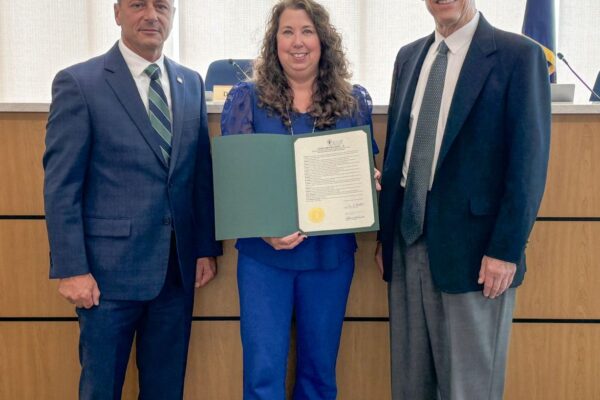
332, 96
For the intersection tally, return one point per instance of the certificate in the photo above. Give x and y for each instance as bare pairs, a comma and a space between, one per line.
274, 185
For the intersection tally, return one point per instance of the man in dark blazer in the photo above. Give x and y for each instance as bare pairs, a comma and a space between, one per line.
129, 204
463, 177
596, 92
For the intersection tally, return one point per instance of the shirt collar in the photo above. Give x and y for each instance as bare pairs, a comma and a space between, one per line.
461, 37
137, 64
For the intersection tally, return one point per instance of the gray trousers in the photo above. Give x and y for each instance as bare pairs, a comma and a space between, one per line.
444, 346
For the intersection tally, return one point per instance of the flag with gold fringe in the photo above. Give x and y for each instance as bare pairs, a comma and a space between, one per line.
538, 25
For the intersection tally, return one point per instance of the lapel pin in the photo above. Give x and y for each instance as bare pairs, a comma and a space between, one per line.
179, 79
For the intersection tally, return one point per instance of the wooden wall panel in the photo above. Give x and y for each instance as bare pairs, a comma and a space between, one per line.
368, 293
363, 368
573, 186
563, 273
39, 360
547, 361
379, 132
30, 293
215, 357
214, 124
220, 297
571, 182
21, 173
25, 290
554, 362
214, 362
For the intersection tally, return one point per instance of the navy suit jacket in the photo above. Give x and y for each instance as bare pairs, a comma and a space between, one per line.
111, 202
491, 171
593, 97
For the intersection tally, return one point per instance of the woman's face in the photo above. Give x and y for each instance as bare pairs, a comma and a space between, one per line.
298, 45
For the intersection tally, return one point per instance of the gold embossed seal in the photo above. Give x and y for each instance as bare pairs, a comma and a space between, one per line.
316, 215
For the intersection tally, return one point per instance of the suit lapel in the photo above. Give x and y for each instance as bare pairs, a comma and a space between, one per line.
120, 80
178, 105
475, 70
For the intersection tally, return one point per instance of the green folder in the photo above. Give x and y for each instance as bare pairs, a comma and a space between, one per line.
255, 184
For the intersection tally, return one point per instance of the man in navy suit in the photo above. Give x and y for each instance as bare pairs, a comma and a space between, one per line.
596, 93
463, 177
129, 204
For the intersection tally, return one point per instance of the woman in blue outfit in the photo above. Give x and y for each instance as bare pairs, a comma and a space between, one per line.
300, 85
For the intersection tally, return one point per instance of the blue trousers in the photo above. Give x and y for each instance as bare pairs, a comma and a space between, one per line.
269, 297
161, 327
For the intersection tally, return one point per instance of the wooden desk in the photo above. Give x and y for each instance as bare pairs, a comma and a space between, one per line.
556, 332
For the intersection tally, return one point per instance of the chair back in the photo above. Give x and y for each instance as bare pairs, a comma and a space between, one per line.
228, 72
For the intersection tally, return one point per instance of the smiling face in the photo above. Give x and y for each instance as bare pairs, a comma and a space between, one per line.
145, 25
298, 45
451, 15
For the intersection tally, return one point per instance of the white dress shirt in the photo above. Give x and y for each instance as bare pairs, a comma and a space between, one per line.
458, 44
137, 64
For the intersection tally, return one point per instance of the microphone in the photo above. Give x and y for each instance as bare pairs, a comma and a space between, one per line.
236, 65
563, 59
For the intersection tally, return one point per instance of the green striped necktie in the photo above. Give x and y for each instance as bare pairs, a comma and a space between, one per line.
158, 111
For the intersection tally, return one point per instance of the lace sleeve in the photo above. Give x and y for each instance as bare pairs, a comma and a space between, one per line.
237, 110
364, 111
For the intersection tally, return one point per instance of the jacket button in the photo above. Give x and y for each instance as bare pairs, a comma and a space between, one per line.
167, 221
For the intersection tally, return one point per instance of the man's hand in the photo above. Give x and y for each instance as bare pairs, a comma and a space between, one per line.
379, 258
377, 176
287, 242
206, 270
496, 276
81, 290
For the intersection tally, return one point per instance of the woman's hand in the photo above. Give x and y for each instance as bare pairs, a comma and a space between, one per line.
286, 242
377, 176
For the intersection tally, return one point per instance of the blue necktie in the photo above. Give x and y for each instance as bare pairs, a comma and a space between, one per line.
158, 111
421, 159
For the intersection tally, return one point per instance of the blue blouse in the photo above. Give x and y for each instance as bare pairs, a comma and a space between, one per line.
241, 114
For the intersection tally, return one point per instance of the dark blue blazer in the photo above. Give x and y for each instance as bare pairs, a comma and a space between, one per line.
491, 171
111, 202
593, 97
